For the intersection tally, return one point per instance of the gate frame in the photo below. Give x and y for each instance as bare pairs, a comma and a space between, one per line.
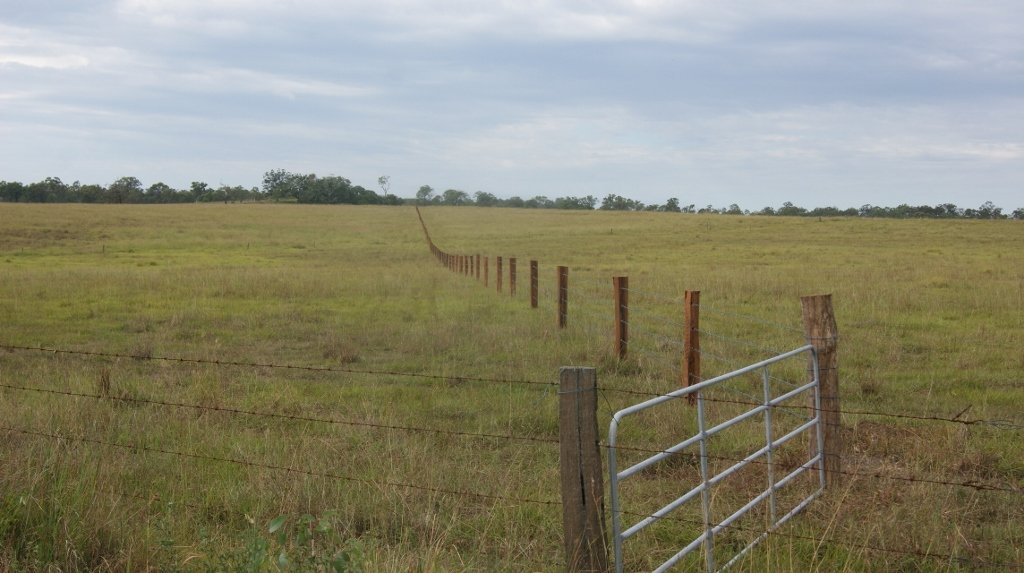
701, 437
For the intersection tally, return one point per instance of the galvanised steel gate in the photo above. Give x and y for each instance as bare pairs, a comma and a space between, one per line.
700, 439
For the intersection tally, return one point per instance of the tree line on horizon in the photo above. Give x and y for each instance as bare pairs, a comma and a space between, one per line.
280, 185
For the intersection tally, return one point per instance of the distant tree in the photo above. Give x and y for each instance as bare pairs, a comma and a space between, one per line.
989, 211
539, 202
198, 190
613, 202
49, 190
125, 190
159, 193
1018, 213
514, 201
275, 183
455, 197
425, 194
385, 183
11, 191
790, 210
485, 199
575, 203
91, 193
734, 209
671, 206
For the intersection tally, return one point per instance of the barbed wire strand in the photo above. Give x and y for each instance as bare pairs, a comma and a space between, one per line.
293, 417
183, 360
1001, 424
249, 463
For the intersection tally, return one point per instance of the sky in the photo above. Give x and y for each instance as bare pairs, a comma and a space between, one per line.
820, 103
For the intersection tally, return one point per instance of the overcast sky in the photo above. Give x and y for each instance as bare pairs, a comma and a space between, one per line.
714, 102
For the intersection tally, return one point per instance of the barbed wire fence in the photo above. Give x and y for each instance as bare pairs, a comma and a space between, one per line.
656, 325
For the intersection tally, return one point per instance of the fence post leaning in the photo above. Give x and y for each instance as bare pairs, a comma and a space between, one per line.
691, 341
620, 286
512, 276
821, 333
582, 473
498, 277
563, 296
533, 284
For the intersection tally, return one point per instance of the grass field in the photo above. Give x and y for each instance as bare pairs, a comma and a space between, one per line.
151, 464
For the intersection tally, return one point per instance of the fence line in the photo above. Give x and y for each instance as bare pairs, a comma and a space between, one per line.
249, 463
237, 411
451, 377
997, 424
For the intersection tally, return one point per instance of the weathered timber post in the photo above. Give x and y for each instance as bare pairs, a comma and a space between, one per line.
470, 273
620, 292
821, 333
691, 341
466, 262
498, 277
478, 267
486, 270
512, 276
533, 284
586, 546
563, 296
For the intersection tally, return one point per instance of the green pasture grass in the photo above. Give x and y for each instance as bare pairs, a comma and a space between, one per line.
930, 319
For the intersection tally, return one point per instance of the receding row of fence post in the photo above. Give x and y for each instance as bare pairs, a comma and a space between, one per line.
470, 265
478, 266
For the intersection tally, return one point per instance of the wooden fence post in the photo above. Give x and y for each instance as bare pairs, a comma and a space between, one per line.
478, 267
487, 266
498, 276
582, 472
466, 262
821, 333
620, 287
533, 284
563, 296
691, 341
512, 276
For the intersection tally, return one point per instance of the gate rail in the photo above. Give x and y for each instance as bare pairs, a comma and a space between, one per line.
708, 481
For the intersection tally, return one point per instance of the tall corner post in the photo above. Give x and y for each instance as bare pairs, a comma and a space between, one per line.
821, 332
582, 472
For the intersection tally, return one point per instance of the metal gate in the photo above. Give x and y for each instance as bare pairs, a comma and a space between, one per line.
707, 481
